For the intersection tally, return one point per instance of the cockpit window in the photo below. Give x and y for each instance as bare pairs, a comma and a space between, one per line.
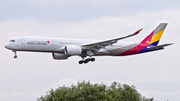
12, 41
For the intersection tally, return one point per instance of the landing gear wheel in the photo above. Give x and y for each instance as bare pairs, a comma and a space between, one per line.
92, 59
80, 62
86, 61
15, 56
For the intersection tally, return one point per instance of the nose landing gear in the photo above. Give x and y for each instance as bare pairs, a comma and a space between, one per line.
86, 60
15, 56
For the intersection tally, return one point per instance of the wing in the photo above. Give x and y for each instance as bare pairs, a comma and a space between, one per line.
101, 44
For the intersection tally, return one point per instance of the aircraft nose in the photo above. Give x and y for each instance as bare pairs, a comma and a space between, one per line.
7, 46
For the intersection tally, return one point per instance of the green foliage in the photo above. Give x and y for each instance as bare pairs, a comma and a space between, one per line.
85, 91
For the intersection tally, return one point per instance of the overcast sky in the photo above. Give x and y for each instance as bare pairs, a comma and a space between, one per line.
26, 78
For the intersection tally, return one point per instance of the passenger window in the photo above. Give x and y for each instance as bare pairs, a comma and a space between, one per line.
12, 41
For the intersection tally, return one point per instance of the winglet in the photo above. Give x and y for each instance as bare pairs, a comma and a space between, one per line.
138, 31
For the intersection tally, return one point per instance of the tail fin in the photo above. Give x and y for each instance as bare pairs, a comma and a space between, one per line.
154, 38
157, 34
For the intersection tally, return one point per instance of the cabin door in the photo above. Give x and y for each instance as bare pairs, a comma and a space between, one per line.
22, 41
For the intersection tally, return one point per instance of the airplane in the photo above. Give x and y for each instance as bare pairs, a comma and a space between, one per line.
63, 48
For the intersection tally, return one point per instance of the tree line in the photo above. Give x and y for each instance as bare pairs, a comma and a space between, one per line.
85, 91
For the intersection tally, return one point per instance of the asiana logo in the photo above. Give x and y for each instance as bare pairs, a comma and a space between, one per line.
38, 42
48, 42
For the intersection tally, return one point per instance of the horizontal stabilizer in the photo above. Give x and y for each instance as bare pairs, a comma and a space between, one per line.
160, 46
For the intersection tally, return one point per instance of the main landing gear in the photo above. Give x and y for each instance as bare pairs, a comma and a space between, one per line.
86, 60
15, 55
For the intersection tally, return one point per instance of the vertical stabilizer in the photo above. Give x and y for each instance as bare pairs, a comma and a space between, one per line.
154, 38
157, 34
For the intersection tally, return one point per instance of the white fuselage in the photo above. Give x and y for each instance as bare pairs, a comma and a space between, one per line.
51, 44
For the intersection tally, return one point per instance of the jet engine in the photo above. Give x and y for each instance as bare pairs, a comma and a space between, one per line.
59, 56
73, 50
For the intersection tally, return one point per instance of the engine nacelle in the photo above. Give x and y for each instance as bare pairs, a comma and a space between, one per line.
59, 56
73, 50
